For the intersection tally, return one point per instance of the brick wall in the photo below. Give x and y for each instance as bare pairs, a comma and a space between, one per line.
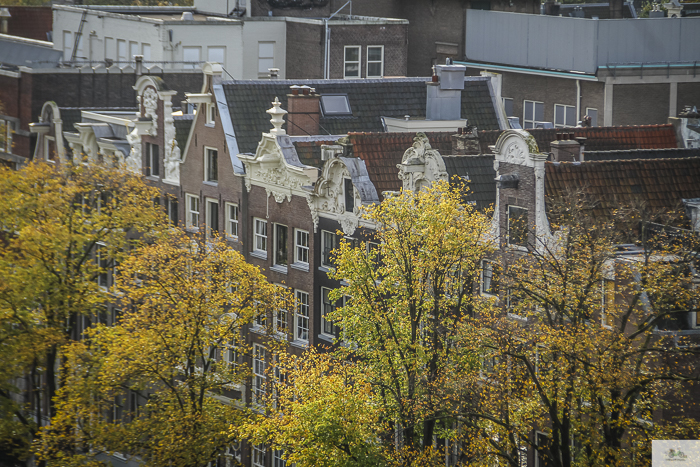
32, 22
392, 37
688, 94
523, 196
303, 115
640, 104
304, 51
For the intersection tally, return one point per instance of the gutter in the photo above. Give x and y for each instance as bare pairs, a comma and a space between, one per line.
528, 71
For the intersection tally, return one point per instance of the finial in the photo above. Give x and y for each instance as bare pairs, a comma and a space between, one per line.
277, 119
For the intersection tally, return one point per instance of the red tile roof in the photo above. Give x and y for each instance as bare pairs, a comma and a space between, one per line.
658, 183
381, 152
598, 138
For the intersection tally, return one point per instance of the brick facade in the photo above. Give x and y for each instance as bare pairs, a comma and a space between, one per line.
640, 104
304, 51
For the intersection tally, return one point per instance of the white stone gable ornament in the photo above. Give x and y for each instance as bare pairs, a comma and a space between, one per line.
421, 165
277, 119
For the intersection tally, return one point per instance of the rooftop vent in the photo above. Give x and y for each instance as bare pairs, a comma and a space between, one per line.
187, 16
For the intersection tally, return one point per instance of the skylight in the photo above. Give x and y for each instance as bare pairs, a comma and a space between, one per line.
335, 105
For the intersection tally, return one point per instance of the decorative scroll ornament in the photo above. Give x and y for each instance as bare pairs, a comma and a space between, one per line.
150, 104
133, 162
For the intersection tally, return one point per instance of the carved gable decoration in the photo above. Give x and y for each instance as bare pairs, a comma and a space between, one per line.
421, 165
516, 147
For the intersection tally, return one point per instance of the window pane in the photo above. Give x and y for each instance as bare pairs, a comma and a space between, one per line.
539, 111
352, 69
571, 116
281, 244
374, 54
264, 64
593, 113
266, 49
558, 114
216, 54
508, 104
517, 226
352, 54
374, 69
335, 105
528, 110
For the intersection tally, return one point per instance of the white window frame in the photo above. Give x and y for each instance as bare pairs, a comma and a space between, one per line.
208, 203
122, 51
146, 52
326, 303
381, 61
301, 316
47, 148
232, 220
264, 60
260, 236
6, 138
67, 45
210, 114
596, 115
278, 458
276, 246
531, 121
301, 247
358, 61
566, 109
192, 222
190, 49
482, 289
323, 247
259, 376
217, 49
153, 158
208, 150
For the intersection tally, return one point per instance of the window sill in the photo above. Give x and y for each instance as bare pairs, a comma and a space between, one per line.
259, 254
191, 229
327, 338
257, 329
300, 266
211, 183
231, 238
517, 247
278, 268
209, 124
517, 317
326, 269
302, 344
155, 178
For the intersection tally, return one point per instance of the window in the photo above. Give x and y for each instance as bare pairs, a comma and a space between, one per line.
67, 45
259, 455
216, 55
191, 57
133, 50
232, 220
153, 168
103, 264
266, 57
278, 458
146, 52
489, 281
171, 209
301, 246
351, 64
192, 212
517, 226
533, 112
49, 146
121, 50
281, 244
109, 48
564, 116
327, 326
230, 354
210, 114
329, 242
593, 113
258, 374
335, 105
212, 217
211, 165
5, 135
508, 106
260, 235
375, 61
607, 302
542, 453
301, 325
349, 195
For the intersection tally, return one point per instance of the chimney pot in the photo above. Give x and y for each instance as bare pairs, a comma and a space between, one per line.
295, 89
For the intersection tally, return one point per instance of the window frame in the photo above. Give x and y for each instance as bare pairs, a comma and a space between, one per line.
231, 223
208, 152
172, 209
6, 126
302, 320
358, 61
189, 219
328, 307
209, 202
301, 251
567, 108
505, 107
262, 236
153, 157
280, 257
266, 71
509, 227
380, 61
324, 254
492, 291
259, 367
596, 116
349, 194
533, 121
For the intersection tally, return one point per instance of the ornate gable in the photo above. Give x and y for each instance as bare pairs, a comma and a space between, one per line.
421, 165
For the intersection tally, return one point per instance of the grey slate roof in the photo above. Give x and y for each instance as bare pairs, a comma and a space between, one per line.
370, 99
478, 170
671, 153
182, 123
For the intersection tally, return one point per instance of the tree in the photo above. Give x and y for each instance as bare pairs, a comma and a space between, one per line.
177, 348
579, 357
55, 219
407, 300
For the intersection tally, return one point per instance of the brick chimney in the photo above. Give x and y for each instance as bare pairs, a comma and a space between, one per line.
304, 111
566, 149
466, 142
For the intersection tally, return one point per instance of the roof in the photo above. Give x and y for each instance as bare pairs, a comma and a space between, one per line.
18, 51
598, 138
382, 152
370, 99
596, 10
479, 171
309, 151
671, 153
660, 184
182, 123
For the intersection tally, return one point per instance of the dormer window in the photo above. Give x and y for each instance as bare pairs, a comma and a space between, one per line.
210, 114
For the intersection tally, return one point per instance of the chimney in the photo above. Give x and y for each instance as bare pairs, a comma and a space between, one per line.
566, 149
139, 64
304, 111
466, 142
4, 18
444, 97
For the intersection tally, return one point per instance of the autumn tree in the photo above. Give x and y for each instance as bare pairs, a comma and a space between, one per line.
64, 228
177, 353
580, 369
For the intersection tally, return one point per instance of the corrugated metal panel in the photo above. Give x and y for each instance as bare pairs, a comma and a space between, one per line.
577, 44
25, 54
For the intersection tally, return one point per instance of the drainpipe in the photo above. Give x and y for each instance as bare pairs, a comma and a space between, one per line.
327, 52
578, 102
